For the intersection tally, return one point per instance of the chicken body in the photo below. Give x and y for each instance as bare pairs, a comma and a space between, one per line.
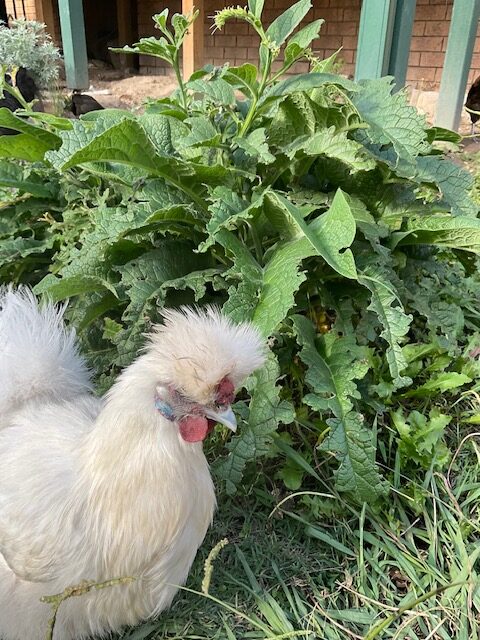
473, 102
96, 489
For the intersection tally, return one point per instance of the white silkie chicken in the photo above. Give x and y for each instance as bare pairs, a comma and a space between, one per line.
96, 489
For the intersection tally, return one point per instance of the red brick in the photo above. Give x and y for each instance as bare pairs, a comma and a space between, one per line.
436, 12
331, 41
342, 28
351, 14
221, 40
235, 52
248, 41
418, 28
420, 73
432, 43
437, 28
414, 59
429, 59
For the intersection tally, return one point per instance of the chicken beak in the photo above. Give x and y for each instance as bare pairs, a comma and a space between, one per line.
226, 417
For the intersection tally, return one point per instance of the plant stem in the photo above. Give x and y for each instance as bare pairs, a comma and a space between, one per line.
253, 107
181, 85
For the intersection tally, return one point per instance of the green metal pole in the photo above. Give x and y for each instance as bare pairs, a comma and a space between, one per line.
461, 40
402, 35
374, 38
74, 44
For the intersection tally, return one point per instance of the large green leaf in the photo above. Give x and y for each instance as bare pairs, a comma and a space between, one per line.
329, 235
218, 91
256, 7
287, 21
461, 232
266, 411
145, 282
387, 306
333, 144
453, 181
301, 40
390, 118
307, 82
31, 143
243, 78
334, 363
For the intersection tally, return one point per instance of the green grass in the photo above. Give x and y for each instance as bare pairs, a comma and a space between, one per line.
406, 572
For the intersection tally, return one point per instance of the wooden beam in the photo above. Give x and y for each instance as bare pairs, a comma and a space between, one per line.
72, 25
125, 31
44, 13
402, 35
461, 40
374, 38
194, 42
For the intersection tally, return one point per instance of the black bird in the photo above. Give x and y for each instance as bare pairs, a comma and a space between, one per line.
473, 103
27, 87
81, 103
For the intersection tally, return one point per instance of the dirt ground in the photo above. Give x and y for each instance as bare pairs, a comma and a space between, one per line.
113, 88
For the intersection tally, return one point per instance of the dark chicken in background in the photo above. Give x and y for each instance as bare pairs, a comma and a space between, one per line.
27, 87
473, 103
81, 103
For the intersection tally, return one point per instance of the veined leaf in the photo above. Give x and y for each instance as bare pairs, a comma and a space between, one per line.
329, 235
461, 232
266, 411
63, 288
445, 381
329, 143
218, 90
287, 21
386, 304
145, 281
15, 176
454, 182
256, 7
392, 120
228, 211
255, 145
332, 369
202, 133
281, 279
306, 82
31, 144
301, 40
243, 78
265, 295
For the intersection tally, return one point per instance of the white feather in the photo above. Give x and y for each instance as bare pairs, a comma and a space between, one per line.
96, 489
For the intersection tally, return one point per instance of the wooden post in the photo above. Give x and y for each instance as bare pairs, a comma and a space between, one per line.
74, 43
193, 44
461, 40
125, 31
44, 13
374, 38
402, 35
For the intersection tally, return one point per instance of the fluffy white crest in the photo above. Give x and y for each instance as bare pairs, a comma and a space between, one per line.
196, 348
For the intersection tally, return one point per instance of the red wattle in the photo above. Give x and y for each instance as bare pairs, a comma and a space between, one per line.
194, 428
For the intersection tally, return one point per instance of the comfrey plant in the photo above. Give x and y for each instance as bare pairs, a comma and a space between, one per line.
321, 209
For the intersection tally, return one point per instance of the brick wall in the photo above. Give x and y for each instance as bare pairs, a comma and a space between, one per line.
237, 42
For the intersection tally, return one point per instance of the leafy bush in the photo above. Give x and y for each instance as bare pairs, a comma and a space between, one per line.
25, 43
322, 209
